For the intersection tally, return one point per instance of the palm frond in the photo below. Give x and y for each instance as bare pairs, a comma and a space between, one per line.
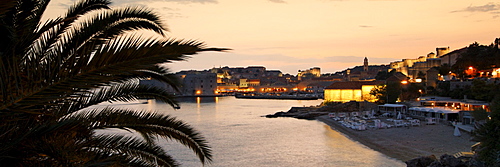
124, 92
85, 6
134, 151
107, 24
115, 63
167, 78
5, 6
149, 125
51, 72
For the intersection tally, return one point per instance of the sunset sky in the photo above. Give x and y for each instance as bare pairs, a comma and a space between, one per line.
291, 35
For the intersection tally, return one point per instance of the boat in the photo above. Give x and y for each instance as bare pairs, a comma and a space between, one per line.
275, 96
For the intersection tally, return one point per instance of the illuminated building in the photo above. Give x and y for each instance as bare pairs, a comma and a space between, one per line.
310, 73
198, 84
351, 91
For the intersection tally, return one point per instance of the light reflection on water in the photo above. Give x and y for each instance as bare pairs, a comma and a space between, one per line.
240, 136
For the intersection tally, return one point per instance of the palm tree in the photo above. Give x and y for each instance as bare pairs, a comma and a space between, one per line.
52, 72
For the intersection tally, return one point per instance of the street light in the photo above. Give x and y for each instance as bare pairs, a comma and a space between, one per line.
403, 82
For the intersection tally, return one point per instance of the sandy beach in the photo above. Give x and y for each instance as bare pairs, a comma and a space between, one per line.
405, 143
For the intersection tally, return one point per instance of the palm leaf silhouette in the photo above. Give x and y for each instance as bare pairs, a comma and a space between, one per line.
52, 72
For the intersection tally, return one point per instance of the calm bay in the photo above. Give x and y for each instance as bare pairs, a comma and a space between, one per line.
240, 136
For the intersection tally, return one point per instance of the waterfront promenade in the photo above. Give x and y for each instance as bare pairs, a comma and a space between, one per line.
407, 143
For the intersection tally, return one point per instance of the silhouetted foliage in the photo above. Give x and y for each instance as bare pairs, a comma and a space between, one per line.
480, 57
52, 72
488, 134
413, 91
393, 92
383, 75
388, 93
443, 88
444, 69
480, 114
481, 90
380, 92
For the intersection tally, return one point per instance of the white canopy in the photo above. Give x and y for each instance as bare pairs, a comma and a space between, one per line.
391, 105
435, 110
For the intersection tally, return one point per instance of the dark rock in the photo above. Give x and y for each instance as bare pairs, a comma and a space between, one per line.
421, 161
281, 113
271, 116
450, 160
445, 161
436, 164
305, 116
475, 163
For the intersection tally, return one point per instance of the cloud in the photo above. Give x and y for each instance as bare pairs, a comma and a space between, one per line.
278, 1
490, 7
67, 3
136, 2
365, 26
354, 59
287, 64
193, 1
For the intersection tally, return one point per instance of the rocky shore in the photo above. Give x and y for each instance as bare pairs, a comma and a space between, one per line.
314, 111
299, 112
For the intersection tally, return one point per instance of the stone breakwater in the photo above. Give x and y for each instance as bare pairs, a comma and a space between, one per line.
299, 113
314, 111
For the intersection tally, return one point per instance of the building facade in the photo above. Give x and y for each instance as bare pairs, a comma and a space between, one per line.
351, 91
199, 84
312, 72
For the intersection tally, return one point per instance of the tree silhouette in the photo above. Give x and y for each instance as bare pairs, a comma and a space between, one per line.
51, 73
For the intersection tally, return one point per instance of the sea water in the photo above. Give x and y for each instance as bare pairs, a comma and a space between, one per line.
239, 135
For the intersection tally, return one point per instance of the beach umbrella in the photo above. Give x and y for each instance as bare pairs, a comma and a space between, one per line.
457, 132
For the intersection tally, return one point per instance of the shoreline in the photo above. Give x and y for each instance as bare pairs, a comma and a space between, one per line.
407, 143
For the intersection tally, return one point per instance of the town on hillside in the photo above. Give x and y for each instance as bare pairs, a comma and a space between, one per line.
446, 72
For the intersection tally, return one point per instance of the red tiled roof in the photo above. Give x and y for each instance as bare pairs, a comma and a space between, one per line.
352, 84
253, 80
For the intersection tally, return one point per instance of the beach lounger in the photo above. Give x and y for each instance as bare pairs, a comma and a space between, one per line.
355, 114
387, 125
430, 121
362, 127
342, 115
399, 123
415, 122
367, 113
